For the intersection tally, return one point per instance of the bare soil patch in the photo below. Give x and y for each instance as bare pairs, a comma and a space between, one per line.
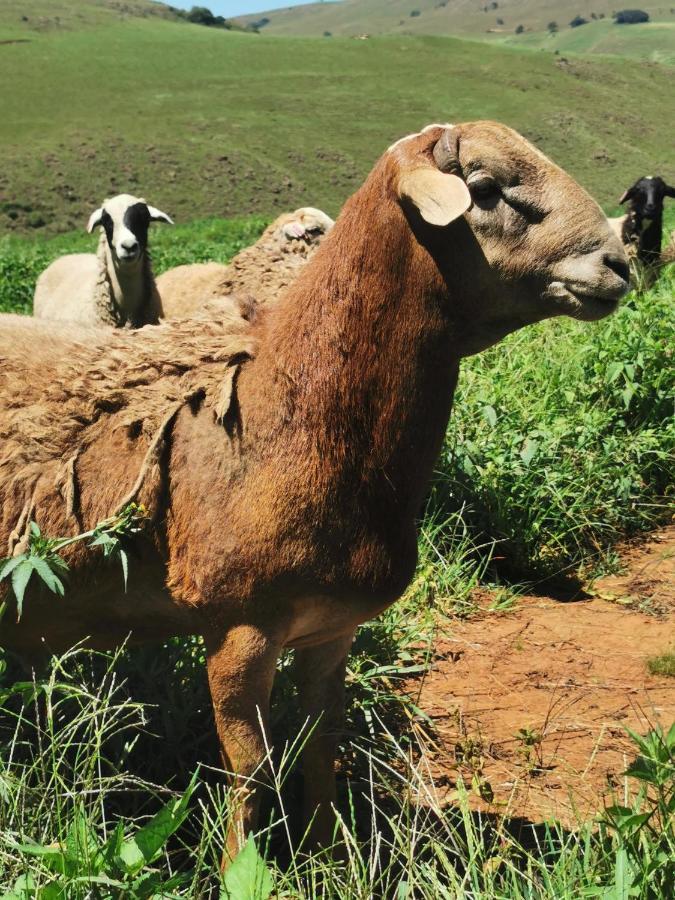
532, 704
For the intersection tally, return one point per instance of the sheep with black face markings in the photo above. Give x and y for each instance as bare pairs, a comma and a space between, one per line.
114, 286
640, 229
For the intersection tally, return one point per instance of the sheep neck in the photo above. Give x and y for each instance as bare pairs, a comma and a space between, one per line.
129, 286
358, 356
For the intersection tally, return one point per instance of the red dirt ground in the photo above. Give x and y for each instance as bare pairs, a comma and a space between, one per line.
570, 675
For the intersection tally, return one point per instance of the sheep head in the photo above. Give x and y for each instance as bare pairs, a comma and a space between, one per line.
126, 220
647, 196
307, 223
517, 234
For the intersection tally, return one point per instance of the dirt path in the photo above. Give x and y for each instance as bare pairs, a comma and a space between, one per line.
533, 703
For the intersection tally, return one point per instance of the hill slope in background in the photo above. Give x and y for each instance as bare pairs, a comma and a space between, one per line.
206, 122
489, 19
22, 18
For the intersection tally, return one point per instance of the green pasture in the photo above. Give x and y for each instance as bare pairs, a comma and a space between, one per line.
211, 123
653, 41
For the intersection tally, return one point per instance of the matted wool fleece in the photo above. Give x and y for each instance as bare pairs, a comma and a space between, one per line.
67, 390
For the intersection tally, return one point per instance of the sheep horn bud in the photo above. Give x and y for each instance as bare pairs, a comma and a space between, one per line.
446, 151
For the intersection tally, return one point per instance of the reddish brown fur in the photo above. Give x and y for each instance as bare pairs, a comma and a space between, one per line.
294, 521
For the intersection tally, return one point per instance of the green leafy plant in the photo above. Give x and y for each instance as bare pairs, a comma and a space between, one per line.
43, 559
119, 866
645, 829
248, 878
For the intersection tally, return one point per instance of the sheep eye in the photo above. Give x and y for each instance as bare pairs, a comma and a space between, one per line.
483, 187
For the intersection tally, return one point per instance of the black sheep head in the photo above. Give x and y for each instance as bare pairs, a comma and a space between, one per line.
647, 196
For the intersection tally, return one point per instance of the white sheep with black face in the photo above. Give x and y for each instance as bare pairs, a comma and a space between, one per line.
114, 286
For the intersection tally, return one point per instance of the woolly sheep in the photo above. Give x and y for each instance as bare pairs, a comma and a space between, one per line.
114, 286
261, 271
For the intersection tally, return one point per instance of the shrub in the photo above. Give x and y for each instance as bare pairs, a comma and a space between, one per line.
631, 17
414, 13
520, 29
577, 21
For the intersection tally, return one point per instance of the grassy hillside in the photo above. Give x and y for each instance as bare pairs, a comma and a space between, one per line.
207, 122
24, 19
443, 16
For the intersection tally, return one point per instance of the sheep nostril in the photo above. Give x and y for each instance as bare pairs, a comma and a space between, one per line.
618, 266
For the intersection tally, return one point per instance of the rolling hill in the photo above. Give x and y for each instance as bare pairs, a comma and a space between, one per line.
490, 20
206, 122
20, 19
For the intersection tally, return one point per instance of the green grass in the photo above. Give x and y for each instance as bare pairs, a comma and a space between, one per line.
664, 664
81, 817
653, 41
210, 123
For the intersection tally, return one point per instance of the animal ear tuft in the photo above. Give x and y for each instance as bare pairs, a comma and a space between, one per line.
156, 215
440, 198
95, 219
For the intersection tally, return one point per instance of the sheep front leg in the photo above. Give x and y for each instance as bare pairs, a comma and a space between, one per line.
320, 679
241, 667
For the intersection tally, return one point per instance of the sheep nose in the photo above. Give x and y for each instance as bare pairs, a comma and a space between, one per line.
617, 265
129, 245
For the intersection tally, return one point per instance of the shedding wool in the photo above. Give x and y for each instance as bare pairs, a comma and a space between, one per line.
116, 393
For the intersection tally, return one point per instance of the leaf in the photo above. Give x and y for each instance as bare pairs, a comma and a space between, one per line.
125, 567
20, 578
530, 447
614, 369
150, 839
130, 856
490, 415
11, 564
52, 580
82, 846
248, 878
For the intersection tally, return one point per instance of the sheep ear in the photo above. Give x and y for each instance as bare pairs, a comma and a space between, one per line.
626, 195
293, 230
95, 219
156, 215
439, 197
670, 191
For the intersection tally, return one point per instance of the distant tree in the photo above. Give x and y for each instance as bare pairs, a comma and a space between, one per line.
500, 21
520, 29
577, 21
414, 13
328, 34
552, 27
201, 15
630, 17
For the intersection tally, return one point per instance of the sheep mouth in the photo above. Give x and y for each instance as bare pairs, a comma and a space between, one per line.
583, 303
128, 258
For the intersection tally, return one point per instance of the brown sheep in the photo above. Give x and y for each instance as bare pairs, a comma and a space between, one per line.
283, 468
260, 272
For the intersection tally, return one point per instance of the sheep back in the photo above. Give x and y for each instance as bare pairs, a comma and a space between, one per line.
86, 412
65, 291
